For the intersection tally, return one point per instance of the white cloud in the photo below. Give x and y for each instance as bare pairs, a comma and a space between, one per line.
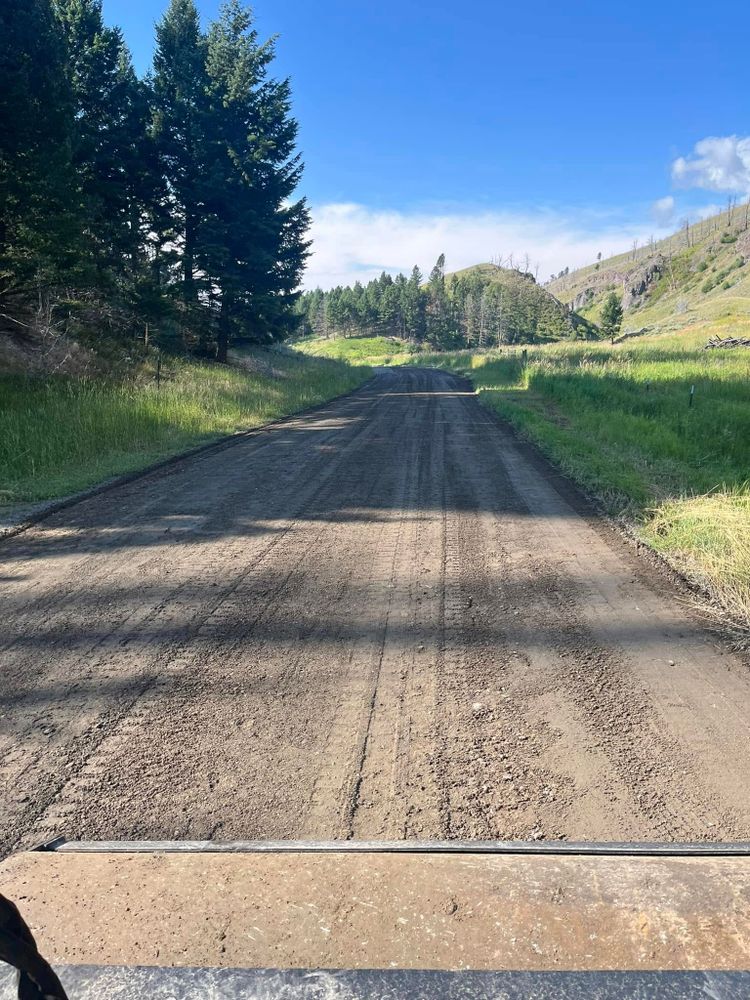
706, 211
717, 163
353, 242
662, 210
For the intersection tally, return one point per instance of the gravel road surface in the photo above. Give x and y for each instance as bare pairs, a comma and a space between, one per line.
383, 619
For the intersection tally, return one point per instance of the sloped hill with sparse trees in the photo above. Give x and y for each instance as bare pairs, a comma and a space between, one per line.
698, 276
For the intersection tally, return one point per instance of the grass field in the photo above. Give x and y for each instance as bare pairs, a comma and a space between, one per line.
358, 350
58, 435
618, 420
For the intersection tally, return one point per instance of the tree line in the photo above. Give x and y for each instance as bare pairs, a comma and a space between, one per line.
482, 307
163, 203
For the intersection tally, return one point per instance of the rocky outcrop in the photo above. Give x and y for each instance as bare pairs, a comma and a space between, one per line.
582, 299
743, 244
640, 281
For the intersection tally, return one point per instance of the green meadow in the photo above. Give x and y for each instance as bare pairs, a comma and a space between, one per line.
358, 350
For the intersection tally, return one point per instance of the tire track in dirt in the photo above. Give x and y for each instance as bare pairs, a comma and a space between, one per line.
340, 777
387, 619
215, 625
33, 755
398, 795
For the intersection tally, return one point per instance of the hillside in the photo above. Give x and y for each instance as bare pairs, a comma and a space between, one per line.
698, 277
548, 315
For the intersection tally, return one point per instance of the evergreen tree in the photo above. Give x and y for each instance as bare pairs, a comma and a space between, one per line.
472, 319
436, 301
414, 306
441, 327
180, 88
400, 286
142, 194
611, 318
253, 244
137, 194
108, 137
38, 221
389, 313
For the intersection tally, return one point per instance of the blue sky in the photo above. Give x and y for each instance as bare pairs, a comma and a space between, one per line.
489, 128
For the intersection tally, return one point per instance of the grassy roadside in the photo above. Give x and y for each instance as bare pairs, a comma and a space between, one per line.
59, 435
618, 421
358, 350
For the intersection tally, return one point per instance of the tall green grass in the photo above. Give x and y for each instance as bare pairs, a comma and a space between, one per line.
358, 350
708, 537
58, 435
619, 421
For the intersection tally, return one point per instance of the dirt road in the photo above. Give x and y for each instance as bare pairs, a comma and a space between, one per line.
384, 619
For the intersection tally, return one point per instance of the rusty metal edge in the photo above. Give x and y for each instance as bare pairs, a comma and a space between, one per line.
549, 847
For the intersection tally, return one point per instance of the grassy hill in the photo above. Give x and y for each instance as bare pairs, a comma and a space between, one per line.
697, 280
552, 317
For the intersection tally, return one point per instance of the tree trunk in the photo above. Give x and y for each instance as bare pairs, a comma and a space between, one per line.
188, 263
222, 346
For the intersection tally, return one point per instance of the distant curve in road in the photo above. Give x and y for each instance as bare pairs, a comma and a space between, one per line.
382, 619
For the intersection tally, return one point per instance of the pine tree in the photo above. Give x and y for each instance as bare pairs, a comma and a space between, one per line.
143, 271
389, 315
253, 243
131, 190
414, 306
440, 326
400, 285
471, 319
180, 88
611, 316
38, 221
107, 138
141, 195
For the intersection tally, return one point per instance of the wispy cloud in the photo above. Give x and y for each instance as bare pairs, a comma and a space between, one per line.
717, 163
706, 211
351, 241
662, 211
